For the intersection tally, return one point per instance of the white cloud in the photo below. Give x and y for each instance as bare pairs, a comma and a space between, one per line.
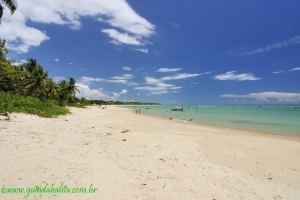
117, 95
124, 91
295, 69
122, 79
286, 43
86, 79
164, 70
132, 28
127, 68
278, 72
56, 59
182, 76
233, 76
160, 85
20, 37
143, 50
157, 86
121, 38
291, 70
268, 96
87, 92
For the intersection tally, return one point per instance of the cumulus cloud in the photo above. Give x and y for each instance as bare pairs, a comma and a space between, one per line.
90, 93
166, 70
268, 96
127, 27
234, 76
286, 43
20, 37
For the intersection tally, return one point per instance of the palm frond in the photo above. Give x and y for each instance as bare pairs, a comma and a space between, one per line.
1, 11
11, 4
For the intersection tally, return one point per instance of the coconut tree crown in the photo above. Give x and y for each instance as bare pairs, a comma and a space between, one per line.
10, 4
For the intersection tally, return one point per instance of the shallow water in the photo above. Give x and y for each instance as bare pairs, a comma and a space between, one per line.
270, 119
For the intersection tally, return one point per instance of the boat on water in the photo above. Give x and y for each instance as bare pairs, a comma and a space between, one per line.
177, 109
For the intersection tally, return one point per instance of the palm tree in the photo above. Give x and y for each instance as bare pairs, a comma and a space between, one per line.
51, 89
11, 4
72, 86
3, 50
72, 89
35, 79
62, 91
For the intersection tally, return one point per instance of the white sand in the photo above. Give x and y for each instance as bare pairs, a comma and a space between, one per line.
160, 159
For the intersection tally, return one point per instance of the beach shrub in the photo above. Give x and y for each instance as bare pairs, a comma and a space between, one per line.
17, 103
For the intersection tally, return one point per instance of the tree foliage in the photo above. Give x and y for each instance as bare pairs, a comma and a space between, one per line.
10, 4
30, 79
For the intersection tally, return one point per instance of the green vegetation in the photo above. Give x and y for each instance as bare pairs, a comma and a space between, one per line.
27, 88
30, 105
101, 102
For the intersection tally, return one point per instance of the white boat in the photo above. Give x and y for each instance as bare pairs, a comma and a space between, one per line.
177, 109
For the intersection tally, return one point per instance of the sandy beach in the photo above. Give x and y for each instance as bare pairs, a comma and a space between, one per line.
129, 156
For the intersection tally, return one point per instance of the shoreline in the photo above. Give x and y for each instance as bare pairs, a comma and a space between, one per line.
245, 131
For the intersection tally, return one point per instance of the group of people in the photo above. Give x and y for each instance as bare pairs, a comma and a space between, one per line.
137, 111
103, 107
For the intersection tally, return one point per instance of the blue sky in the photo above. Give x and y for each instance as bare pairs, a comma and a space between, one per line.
191, 51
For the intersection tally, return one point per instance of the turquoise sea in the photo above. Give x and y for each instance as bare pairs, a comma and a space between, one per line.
275, 119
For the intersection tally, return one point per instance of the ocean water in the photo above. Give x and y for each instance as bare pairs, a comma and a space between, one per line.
266, 118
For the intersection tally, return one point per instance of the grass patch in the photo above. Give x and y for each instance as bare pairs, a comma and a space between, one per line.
78, 105
30, 105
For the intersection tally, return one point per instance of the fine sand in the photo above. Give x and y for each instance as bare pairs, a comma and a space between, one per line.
129, 156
